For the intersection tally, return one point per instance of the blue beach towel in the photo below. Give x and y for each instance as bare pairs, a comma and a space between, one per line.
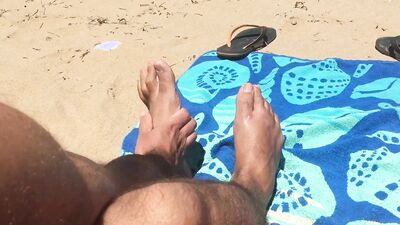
341, 120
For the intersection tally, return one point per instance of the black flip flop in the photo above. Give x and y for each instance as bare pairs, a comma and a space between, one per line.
246, 41
389, 46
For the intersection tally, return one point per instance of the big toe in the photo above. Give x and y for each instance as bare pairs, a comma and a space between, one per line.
165, 75
245, 101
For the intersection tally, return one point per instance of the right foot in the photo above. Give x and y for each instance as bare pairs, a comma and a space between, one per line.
258, 142
158, 91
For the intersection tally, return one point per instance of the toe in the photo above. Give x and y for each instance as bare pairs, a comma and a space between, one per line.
165, 75
268, 106
190, 139
245, 101
258, 99
276, 118
189, 128
151, 80
143, 86
141, 95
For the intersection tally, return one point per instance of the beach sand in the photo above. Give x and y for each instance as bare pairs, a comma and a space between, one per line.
87, 98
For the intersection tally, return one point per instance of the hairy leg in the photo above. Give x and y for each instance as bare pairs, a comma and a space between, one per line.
185, 202
41, 183
243, 201
36, 170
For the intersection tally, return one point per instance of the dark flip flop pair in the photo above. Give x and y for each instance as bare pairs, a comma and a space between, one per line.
246, 41
389, 46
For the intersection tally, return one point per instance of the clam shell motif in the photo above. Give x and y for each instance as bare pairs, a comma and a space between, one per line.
371, 177
325, 124
323, 80
302, 194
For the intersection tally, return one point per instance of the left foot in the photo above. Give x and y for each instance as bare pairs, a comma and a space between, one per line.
158, 91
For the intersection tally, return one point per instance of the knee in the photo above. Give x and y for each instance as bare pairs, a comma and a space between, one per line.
161, 203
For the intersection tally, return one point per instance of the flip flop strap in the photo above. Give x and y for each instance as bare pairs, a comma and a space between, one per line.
229, 42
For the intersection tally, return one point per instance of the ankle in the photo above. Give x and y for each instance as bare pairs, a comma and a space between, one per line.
260, 187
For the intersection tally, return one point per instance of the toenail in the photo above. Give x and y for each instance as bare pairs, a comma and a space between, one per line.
248, 88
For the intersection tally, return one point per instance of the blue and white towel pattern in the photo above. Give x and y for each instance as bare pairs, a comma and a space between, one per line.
341, 120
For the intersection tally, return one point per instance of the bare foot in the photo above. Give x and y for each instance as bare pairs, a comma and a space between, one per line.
258, 142
169, 140
158, 91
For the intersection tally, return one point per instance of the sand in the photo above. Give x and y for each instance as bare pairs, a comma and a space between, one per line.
87, 98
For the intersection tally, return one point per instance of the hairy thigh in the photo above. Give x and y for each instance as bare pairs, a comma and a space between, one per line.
161, 203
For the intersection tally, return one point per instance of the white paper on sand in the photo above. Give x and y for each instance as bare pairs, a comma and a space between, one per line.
107, 45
